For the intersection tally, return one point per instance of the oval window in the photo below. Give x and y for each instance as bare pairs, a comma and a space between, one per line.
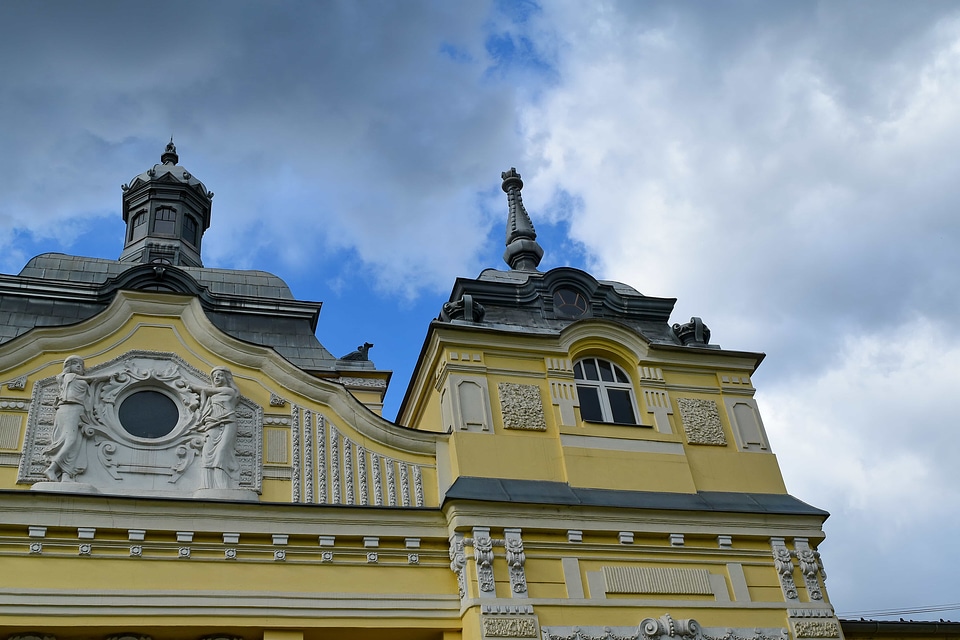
148, 414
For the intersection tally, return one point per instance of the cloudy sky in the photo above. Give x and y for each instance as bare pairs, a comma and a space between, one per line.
788, 171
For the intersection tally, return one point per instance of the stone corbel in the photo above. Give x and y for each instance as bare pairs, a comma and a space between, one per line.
516, 560
784, 564
810, 566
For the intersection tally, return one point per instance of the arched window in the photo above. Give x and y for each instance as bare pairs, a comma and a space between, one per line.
605, 390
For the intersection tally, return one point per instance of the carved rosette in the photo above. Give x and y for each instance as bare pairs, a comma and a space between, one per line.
118, 457
516, 559
784, 565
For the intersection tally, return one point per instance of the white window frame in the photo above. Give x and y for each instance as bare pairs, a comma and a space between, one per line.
603, 388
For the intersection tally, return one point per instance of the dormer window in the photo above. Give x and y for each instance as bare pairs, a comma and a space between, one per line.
139, 227
166, 221
605, 391
190, 230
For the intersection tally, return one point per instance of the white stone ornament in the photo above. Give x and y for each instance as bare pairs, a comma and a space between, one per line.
145, 423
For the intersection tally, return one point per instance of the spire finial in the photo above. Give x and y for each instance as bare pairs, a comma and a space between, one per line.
170, 153
523, 251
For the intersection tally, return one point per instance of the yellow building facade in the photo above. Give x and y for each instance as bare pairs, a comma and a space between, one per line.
180, 458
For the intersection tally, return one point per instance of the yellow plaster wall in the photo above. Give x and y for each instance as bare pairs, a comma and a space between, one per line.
633, 471
726, 469
517, 455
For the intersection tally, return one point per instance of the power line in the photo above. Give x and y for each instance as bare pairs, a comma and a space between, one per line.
900, 612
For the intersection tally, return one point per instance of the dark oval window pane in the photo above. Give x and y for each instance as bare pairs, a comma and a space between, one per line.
578, 371
590, 404
621, 376
621, 406
606, 373
590, 369
148, 414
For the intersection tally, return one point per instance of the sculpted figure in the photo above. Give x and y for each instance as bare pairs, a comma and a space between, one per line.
218, 421
67, 459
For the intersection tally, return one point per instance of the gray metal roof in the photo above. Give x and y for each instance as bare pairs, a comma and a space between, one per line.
56, 289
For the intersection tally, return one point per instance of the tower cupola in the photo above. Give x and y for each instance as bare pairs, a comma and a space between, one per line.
167, 211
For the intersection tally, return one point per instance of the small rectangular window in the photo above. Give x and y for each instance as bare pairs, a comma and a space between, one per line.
621, 407
590, 403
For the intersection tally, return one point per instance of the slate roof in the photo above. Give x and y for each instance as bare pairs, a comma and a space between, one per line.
56, 289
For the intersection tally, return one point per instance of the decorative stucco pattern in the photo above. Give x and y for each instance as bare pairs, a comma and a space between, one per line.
816, 629
701, 421
658, 580
522, 407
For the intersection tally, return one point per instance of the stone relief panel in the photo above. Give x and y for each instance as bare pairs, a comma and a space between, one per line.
509, 621
701, 421
145, 423
522, 406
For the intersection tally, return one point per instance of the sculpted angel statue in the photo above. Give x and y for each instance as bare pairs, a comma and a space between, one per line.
66, 452
218, 422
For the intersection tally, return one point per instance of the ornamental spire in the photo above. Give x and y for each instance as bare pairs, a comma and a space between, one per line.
523, 252
170, 154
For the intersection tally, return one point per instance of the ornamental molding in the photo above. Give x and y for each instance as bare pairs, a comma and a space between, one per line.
17, 384
78, 439
663, 628
367, 383
701, 421
522, 406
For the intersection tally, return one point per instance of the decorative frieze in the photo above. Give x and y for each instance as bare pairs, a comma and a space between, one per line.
17, 384
701, 421
348, 471
662, 628
784, 565
277, 401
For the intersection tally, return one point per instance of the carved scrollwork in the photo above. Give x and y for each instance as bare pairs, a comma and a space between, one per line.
458, 562
483, 555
